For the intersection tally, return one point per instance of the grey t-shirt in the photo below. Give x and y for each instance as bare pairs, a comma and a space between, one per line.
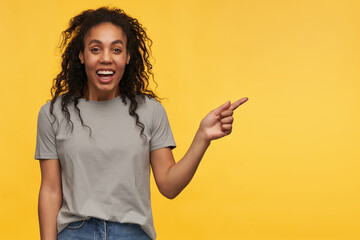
105, 175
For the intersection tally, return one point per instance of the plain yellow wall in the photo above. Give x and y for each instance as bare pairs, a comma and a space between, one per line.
289, 170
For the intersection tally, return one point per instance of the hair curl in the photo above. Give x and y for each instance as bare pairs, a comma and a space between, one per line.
71, 82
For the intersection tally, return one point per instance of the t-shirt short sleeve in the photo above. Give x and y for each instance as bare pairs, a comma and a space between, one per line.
45, 138
161, 134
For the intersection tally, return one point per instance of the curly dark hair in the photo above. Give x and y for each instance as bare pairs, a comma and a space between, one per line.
71, 82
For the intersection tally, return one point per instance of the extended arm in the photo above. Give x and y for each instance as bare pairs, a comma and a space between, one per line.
171, 178
50, 198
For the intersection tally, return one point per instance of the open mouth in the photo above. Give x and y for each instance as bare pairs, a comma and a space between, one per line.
105, 75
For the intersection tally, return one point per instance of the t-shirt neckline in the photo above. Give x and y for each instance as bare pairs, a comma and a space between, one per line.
99, 102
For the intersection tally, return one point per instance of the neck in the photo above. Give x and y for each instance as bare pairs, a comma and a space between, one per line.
103, 96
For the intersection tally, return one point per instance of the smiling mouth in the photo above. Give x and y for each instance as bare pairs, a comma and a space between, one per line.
105, 75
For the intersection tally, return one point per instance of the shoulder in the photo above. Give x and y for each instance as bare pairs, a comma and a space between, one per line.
148, 103
150, 109
56, 107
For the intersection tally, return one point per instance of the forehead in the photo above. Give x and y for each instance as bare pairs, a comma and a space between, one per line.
105, 32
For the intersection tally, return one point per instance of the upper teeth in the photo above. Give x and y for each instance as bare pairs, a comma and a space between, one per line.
105, 72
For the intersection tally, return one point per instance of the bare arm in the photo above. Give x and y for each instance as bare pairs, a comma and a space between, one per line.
170, 177
50, 198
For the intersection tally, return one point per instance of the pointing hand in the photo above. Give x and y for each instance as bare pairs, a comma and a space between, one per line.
218, 123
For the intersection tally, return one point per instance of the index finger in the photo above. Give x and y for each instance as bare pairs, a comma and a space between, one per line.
236, 104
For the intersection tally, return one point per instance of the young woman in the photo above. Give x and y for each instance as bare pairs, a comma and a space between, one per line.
103, 129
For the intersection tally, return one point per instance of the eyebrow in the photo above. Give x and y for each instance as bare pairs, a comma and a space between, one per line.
99, 42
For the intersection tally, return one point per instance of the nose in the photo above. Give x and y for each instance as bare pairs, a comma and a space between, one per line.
106, 57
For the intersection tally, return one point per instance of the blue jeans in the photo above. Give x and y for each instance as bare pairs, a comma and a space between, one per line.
97, 229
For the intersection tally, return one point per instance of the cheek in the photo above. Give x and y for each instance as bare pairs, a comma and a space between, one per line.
121, 63
123, 58
90, 60
90, 64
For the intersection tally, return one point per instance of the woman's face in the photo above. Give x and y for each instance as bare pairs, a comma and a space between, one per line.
105, 58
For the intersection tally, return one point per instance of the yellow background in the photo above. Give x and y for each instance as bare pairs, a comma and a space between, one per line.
289, 170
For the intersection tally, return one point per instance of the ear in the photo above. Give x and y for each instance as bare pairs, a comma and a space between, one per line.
128, 58
81, 57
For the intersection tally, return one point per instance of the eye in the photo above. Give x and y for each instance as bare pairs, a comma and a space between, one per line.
117, 50
95, 50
